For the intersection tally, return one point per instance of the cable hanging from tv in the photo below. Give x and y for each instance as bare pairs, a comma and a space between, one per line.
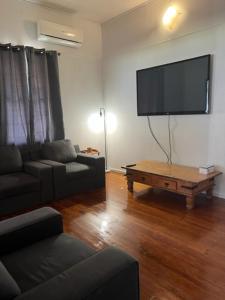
168, 155
170, 140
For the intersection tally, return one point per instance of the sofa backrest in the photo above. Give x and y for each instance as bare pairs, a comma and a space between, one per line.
31, 152
37, 151
10, 160
61, 151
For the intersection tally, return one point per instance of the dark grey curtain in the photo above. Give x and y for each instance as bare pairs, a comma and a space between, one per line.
14, 100
55, 95
30, 102
44, 91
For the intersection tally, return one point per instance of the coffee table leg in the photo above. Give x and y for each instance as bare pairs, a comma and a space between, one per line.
190, 202
209, 193
130, 185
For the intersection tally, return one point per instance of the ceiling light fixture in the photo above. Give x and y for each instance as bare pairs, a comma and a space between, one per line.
170, 16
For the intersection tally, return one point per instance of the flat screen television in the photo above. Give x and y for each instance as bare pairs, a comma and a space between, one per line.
174, 89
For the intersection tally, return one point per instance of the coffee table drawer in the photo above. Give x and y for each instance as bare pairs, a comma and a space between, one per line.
165, 183
145, 179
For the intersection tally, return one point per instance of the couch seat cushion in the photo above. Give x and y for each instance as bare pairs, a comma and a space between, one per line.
10, 160
76, 170
8, 287
41, 261
17, 183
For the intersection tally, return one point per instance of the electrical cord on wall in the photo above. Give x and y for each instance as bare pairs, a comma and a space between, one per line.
170, 141
168, 156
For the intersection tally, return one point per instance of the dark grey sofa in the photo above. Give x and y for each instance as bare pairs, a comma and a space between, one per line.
38, 174
38, 261
72, 172
22, 184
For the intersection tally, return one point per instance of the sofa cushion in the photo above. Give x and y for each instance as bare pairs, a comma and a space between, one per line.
8, 287
41, 261
10, 160
61, 151
17, 183
30, 152
76, 170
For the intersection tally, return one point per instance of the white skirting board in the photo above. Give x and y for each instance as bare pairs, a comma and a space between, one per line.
117, 170
219, 195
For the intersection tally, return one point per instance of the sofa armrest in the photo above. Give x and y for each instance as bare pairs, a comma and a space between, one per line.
44, 173
98, 162
59, 169
91, 160
110, 274
52, 163
36, 168
25, 229
59, 175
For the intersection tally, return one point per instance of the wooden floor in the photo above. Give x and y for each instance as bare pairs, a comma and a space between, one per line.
181, 253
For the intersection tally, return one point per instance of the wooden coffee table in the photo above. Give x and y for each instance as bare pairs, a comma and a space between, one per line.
175, 178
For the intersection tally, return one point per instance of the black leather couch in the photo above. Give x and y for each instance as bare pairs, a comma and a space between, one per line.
22, 184
38, 261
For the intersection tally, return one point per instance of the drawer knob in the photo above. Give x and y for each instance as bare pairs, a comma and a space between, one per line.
143, 178
166, 184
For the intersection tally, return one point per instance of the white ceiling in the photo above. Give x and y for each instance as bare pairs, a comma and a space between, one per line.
95, 10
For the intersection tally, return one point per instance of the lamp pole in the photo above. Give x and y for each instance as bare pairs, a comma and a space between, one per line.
102, 114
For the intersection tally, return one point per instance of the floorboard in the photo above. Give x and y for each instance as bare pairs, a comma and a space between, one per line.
181, 252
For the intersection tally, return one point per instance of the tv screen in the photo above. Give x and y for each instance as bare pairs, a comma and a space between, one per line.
174, 89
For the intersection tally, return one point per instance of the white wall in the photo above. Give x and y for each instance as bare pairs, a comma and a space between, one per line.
130, 42
80, 69
137, 40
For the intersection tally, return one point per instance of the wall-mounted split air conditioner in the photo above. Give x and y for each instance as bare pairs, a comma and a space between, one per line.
59, 34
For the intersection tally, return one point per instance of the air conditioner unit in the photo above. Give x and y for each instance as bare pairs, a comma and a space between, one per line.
59, 34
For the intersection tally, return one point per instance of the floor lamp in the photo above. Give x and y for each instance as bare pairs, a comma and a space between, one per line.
103, 115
